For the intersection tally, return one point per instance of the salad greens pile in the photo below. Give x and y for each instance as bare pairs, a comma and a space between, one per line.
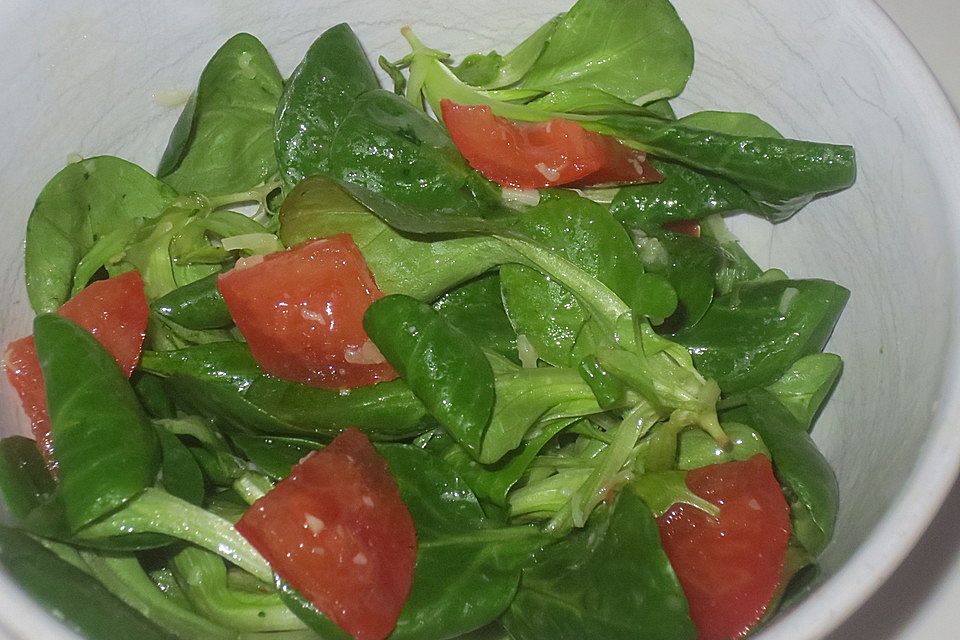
564, 356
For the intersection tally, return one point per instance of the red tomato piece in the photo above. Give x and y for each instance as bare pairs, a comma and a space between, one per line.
542, 154
301, 312
115, 311
621, 165
338, 531
729, 567
687, 227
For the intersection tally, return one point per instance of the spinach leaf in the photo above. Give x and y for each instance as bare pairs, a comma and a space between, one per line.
467, 568
84, 202
492, 71
733, 122
180, 474
442, 366
223, 141
526, 398
752, 335
223, 382
316, 99
492, 482
691, 268
150, 251
637, 50
125, 578
589, 102
782, 174
197, 305
308, 612
697, 449
24, 480
808, 480
274, 455
683, 194
585, 234
106, 448
84, 605
476, 309
157, 512
422, 267
401, 157
688, 194
203, 577
661, 490
611, 580
804, 387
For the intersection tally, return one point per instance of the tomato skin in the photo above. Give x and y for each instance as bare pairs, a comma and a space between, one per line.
687, 227
337, 530
301, 312
541, 154
115, 311
729, 567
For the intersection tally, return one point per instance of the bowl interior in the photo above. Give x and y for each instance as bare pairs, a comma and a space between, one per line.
96, 80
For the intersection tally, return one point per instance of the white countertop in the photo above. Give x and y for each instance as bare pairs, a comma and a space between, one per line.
921, 601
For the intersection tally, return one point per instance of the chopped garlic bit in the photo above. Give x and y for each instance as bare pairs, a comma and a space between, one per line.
171, 99
527, 352
519, 199
786, 299
315, 524
246, 263
366, 354
314, 316
550, 173
360, 559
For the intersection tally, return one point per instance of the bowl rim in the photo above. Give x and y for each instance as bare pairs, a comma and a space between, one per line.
919, 499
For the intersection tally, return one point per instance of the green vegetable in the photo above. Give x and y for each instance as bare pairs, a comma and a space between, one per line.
752, 335
223, 142
492, 70
80, 205
125, 578
548, 313
467, 567
442, 366
198, 305
203, 577
637, 50
526, 398
223, 382
804, 387
417, 266
399, 155
84, 605
106, 448
315, 101
25, 482
610, 580
809, 482
179, 473
476, 309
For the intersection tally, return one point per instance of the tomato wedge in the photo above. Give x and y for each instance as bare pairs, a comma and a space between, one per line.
729, 567
542, 154
338, 531
301, 312
115, 311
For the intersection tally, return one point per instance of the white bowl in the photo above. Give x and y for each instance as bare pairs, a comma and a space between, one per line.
82, 77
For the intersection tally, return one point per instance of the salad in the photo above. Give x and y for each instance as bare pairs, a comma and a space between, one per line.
481, 359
